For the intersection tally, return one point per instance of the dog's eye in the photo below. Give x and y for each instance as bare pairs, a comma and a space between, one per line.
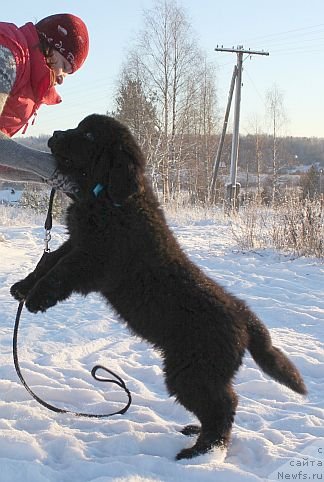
89, 136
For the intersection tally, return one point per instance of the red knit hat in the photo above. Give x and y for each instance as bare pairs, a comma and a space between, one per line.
68, 34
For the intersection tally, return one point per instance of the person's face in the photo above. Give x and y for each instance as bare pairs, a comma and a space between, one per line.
60, 66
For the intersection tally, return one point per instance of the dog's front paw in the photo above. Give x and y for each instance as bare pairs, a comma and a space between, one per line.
45, 294
20, 290
39, 301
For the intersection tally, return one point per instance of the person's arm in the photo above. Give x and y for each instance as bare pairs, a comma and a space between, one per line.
8, 151
21, 163
21, 158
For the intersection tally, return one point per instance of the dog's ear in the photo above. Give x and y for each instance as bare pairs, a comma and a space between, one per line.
124, 177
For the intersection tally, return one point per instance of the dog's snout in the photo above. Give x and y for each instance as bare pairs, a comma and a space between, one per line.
57, 135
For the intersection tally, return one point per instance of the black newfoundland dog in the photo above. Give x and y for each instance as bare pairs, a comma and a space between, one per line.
120, 246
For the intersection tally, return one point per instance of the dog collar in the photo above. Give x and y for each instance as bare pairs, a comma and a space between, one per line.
98, 189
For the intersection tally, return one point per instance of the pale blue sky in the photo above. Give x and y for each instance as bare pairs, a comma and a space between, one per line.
292, 31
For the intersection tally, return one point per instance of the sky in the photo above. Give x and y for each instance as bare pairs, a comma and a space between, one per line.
291, 31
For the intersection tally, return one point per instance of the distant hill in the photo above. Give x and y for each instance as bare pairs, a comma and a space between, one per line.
292, 151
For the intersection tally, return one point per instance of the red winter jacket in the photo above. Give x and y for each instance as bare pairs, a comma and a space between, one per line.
34, 79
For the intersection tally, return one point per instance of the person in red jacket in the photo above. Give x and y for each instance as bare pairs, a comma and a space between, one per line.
34, 59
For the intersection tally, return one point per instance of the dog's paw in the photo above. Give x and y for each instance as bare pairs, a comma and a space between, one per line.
44, 295
195, 451
188, 453
205, 443
20, 290
38, 301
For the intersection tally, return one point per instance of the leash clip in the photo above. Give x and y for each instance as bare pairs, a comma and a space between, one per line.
47, 239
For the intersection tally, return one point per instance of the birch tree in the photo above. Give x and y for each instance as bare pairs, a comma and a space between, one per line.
173, 75
276, 113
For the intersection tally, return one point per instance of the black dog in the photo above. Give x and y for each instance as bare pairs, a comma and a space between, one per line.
121, 247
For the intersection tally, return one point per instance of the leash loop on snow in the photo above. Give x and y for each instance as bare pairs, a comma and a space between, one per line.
119, 381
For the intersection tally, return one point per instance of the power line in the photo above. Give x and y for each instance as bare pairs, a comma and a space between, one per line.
285, 32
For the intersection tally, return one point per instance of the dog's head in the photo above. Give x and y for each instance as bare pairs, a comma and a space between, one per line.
100, 154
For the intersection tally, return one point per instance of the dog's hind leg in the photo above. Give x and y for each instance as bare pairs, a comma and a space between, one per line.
215, 407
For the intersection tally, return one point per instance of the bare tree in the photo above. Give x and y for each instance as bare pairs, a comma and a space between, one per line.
276, 113
167, 69
258, 139
170, 59
204, 109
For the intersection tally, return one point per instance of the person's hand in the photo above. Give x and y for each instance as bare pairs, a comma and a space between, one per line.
62, 183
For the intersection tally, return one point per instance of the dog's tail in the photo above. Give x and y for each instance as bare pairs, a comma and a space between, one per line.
270, 359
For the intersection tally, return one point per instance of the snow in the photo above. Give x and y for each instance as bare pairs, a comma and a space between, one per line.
10, 195
277, 435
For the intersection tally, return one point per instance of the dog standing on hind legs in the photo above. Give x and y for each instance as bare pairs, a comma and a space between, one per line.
121, 246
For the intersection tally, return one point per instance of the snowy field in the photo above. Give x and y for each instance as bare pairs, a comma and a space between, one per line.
277, 435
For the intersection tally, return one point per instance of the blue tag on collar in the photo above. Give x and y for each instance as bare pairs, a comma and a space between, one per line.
97, 189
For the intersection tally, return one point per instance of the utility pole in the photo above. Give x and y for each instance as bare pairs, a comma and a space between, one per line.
233, 186
222, 139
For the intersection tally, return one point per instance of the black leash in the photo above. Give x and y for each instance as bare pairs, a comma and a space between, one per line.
119, 381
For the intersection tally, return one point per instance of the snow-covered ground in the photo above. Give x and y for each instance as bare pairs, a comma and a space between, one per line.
277, 435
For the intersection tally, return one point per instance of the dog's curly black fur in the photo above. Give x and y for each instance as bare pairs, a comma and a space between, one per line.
120, 246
